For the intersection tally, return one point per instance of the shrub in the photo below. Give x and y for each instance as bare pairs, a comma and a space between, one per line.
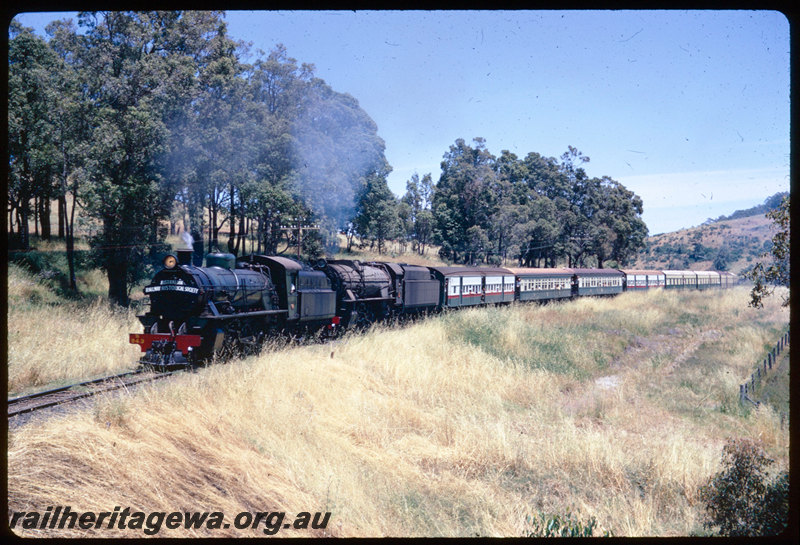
561, 526
739, 500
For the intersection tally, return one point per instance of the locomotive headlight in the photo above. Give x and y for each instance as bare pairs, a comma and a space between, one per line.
170, 261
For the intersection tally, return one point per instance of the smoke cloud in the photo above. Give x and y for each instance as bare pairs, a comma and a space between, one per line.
336, 146
187, 240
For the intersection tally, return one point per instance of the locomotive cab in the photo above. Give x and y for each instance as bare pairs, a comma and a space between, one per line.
306, 295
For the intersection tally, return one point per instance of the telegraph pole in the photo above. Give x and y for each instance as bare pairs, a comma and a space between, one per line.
299, 228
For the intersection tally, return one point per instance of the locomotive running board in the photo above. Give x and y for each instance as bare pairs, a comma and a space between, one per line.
368, 299
243, 314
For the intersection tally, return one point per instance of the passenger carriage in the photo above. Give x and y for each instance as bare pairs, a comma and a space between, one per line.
468, 286
541, 284
498, 286
728, 279
681, 280
640, 280
596, 282
708, 280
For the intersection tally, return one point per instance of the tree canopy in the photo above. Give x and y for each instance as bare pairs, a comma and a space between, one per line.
147, 120
139, 114
536, 210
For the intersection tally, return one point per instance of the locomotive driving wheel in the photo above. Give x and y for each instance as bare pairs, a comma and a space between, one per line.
365, 317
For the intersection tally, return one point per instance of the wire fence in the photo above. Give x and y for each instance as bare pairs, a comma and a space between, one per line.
747, 390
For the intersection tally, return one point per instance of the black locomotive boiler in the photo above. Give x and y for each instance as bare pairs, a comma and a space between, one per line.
377, 290
196, 312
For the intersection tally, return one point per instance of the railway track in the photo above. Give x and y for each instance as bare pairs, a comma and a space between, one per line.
67, 394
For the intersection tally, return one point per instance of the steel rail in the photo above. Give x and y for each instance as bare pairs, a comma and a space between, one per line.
67, 387
65, 394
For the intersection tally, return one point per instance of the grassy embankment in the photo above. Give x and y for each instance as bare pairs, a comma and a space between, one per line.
83, 334
53, 341
393, 252
458, 425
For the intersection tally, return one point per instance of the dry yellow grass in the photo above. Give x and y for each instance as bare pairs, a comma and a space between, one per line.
394, 252
50, 341
431, 430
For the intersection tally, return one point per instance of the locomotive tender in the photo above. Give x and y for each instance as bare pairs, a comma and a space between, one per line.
197, 312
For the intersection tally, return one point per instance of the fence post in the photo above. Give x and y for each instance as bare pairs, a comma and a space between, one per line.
741, 393
765, 368
770, 364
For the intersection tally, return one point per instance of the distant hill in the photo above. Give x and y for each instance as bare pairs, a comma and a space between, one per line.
771, 203
730, 243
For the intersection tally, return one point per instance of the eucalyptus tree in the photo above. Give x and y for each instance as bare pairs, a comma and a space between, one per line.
277, 88
540, 210
337, 152
196, 37
775, 267
72, 113
463, 198
620, 218
139, 72
547, 197
419, 197
376, 216
32, 147
219, 135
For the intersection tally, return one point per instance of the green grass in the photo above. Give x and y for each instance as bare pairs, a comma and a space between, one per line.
561, 337
532, 344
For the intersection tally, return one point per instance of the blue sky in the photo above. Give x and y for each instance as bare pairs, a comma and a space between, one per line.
688, 109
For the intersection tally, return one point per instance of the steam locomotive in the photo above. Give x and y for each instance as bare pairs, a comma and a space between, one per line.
236, 304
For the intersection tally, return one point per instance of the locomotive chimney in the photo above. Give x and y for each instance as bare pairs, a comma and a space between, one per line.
185, 254
185, 257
